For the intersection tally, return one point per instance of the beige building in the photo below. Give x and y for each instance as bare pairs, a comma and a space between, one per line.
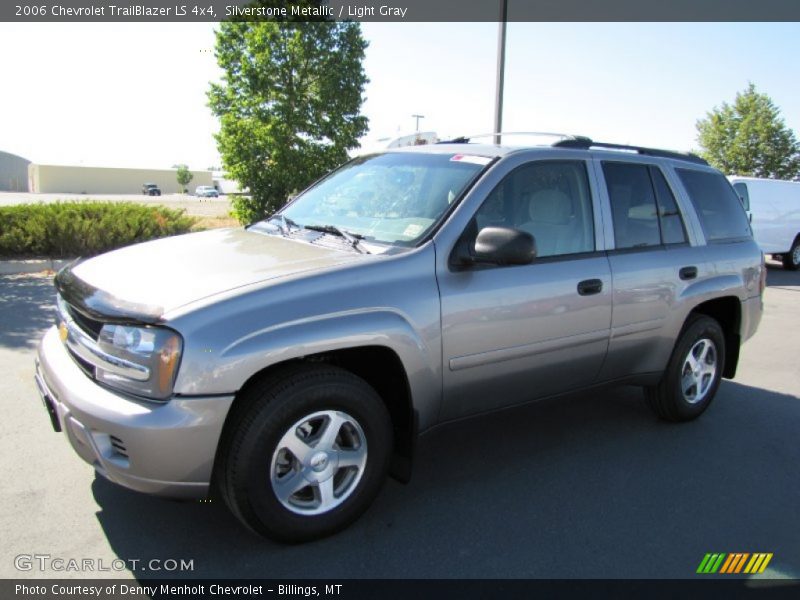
103, 180
13, 173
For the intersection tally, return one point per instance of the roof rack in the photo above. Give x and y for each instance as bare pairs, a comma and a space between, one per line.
585, 143
465, 139
582, 142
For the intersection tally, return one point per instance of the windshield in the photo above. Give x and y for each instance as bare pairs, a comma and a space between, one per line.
393, 198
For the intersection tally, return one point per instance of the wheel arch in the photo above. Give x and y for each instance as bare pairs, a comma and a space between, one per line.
382, 368
727, 311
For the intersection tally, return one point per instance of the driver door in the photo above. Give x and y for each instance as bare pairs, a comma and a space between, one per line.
515, 333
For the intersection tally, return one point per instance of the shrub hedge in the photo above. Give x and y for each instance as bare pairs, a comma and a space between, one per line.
84, 228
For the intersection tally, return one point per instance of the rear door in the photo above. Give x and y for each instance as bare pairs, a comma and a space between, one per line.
516, 333
652, 263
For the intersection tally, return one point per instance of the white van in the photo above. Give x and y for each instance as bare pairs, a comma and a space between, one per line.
774, 210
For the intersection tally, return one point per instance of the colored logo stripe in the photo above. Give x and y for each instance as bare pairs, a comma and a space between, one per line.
734, 562
758, 563
710, 563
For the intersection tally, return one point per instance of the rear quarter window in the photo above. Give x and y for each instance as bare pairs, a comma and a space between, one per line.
719, 209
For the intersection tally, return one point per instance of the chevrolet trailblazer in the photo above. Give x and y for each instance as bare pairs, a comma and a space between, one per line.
291, 364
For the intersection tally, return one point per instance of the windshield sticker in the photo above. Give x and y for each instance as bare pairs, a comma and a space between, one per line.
412, 230
471, 158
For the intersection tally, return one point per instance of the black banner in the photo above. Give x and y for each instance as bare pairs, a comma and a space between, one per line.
151, 11
348, 589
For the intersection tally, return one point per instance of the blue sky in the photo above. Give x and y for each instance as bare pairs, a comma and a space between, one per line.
134, 94
631, 82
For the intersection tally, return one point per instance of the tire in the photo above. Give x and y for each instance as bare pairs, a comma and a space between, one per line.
677, 399
791, 260
301, 407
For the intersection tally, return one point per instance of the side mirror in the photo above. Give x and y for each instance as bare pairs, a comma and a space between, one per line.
504, 246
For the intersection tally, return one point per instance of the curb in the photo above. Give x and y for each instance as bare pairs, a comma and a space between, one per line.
15, 267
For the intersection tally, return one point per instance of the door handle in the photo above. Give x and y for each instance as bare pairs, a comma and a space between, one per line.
588, 287
687, 273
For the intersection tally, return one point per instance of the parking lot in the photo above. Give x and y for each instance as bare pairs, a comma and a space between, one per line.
591, 486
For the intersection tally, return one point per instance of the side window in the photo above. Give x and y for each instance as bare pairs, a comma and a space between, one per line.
672, 229
633, 205
741, 189
550, 199
719, 209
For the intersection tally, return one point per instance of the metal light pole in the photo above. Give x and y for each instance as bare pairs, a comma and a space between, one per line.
501, 67
417, 117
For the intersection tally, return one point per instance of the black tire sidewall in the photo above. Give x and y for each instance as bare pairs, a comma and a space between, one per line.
699, 328
788, 259
251, 484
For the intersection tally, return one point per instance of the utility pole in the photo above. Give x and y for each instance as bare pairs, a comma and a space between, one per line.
417, 117
501, 67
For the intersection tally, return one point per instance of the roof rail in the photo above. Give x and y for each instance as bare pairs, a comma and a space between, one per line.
585, 143
465, 139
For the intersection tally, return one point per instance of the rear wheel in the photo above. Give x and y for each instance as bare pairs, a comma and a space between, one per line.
693, 374
306, 453
791, 260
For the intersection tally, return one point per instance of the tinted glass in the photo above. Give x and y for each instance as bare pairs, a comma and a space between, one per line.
394, 197
718, 207
672, 230
633, 205
548, 199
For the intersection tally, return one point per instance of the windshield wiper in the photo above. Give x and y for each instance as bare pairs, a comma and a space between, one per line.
352, 238
284, 223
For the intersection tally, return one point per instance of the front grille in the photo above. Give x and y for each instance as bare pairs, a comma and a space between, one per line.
89, 325
84, 366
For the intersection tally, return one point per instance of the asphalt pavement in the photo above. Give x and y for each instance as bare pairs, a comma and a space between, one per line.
589, 486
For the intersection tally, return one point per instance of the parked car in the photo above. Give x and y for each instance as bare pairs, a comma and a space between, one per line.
289, 365
151, 189
773, 207
206, 191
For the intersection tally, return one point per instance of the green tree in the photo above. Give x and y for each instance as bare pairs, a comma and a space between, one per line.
749, 137
289, 105
184, 176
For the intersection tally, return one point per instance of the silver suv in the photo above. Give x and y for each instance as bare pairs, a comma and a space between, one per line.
290, 365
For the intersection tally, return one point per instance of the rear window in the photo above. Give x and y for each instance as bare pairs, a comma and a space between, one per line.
741, 189
718, 207
642, 205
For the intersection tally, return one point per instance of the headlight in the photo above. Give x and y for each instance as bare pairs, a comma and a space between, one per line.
156, 349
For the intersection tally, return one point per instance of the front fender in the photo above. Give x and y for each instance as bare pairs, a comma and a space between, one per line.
281, 342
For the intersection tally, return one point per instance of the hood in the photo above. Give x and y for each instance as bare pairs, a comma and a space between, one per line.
146, 280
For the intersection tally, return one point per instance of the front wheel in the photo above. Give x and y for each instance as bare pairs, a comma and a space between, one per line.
693, 374
791, 260
306, 453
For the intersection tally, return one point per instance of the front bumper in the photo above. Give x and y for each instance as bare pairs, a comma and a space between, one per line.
165, 448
